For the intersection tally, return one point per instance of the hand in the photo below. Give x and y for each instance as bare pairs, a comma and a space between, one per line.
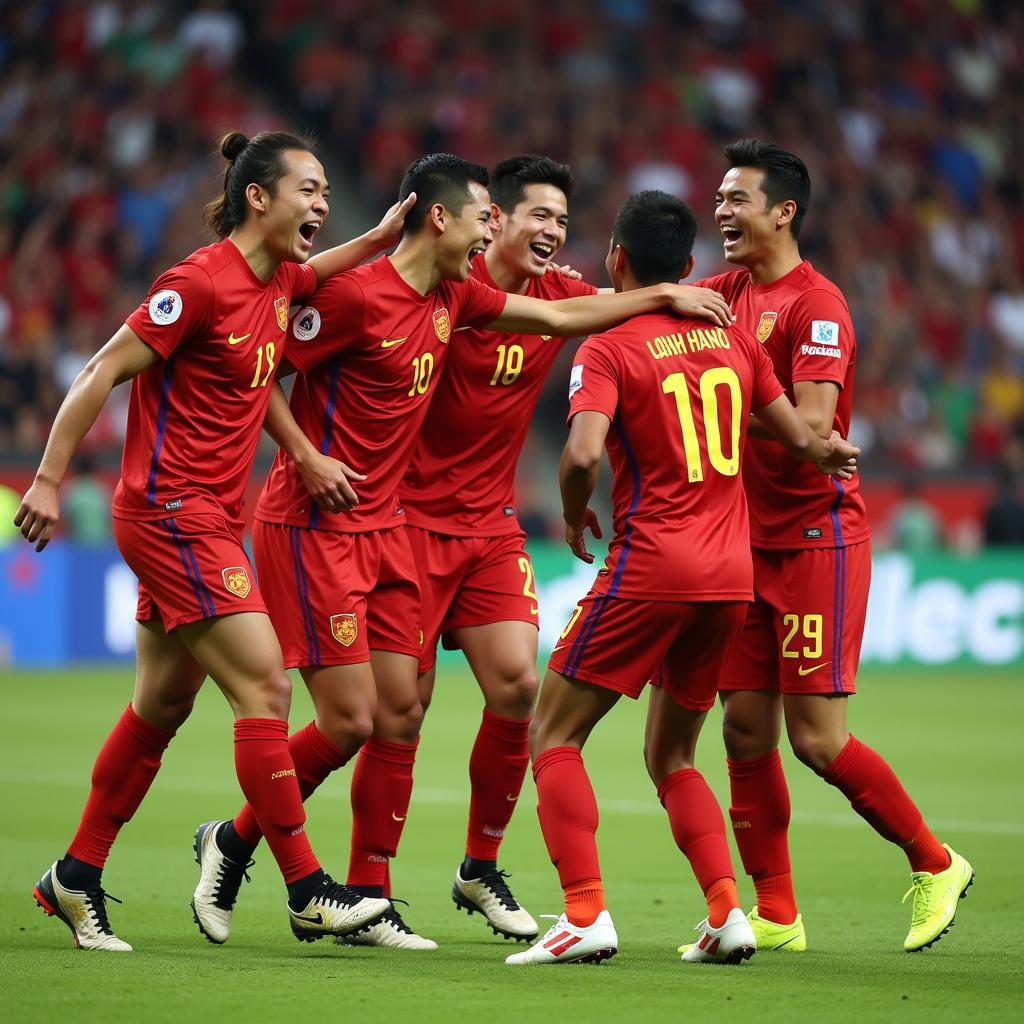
565, 271
389, 230
38, 513
702, 303
327, 481
840, 458
574, 535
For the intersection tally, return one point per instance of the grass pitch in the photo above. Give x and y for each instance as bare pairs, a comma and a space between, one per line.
953, 737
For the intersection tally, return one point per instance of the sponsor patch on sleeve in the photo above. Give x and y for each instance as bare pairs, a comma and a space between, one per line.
575, 379
824, 332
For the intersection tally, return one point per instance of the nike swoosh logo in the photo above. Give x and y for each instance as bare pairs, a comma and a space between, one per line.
391, 342
232, 340
319, 919
814, 668
786, 943
397, 818
511, 798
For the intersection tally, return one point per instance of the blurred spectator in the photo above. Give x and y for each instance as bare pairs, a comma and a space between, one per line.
913, 525
1004, 518
85, 506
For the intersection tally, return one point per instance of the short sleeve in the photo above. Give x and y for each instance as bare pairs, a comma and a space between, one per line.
594, 379
329, 324
479, 304
303, 281
821, 334
179, 306
766, 387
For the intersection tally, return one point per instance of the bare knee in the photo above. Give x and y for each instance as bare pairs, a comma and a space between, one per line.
515, 694
661, 761
747, 736
347, 728
270, 696
399, 721
816, 748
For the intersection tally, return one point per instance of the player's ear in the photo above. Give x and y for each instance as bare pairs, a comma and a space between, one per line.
495, 222
256, 197
688, 269
784, 212
437, 217
619, 260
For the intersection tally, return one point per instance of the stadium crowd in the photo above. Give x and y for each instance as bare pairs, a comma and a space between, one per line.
910, 115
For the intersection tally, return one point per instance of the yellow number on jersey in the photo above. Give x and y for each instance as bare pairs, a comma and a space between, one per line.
422, 371
526, 568
572, 621
710, 381
270, 351
812, 625
510, 365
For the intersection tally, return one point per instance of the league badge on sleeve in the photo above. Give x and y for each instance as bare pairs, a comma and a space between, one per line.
442, 325
281, 308
575, 379
236, 580
765, 325
306, 324
824, 332
165, 307
345, 628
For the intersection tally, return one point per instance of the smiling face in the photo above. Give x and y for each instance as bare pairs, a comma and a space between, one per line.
531, 235
466, 234
297, 208
750, 227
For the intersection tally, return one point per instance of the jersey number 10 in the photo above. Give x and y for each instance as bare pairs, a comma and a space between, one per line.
710, 380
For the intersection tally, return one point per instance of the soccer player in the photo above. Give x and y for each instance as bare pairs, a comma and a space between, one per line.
201, 352
670, 400
339, 580
797, 655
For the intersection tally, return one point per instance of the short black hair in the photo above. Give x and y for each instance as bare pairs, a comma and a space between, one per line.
657, 232
511, 177
784, 174
438, 178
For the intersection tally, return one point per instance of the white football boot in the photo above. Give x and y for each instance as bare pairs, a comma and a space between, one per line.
733, 943
219, 880
335, 910
390, 931
490, 895
566, 943
84, 912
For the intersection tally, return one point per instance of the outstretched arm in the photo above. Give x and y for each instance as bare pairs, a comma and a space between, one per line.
586, 314
124, 356
351, 254
577, 478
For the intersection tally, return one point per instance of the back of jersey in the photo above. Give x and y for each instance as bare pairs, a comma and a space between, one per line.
678, 393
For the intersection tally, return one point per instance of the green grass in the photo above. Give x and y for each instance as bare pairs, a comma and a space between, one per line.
953, 737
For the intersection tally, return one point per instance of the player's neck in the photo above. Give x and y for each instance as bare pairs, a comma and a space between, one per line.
775, 265
414, 263
253, 248
504, 276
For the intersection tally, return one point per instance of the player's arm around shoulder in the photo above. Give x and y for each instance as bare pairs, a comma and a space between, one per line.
122, 358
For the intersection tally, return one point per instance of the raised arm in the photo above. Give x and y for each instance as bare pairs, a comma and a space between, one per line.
124, 356
577, 478
589, 313
378, 239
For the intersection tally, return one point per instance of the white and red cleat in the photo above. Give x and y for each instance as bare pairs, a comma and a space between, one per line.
733, 943
566, 943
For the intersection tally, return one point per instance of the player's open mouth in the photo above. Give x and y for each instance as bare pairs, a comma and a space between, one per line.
475, 251
542, 251
731, 235
308, 231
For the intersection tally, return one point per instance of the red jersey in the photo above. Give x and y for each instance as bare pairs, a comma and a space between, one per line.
804, 324
461, 480
369, 349
678, 393
194, 417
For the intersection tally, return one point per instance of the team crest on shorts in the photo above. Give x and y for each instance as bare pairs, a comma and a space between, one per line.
345, 628
765, 325
442, 325
236, 580
281, 309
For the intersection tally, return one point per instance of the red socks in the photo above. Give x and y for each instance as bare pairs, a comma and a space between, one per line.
760, 821
583, 902
497, 768
381, 791
314, 757
568, 819
874, 791
124, 770
697, 827
267, 776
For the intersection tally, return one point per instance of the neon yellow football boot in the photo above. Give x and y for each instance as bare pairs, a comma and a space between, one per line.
770, 936
935, 901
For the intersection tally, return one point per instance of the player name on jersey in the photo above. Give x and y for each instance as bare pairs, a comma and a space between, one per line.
682, 344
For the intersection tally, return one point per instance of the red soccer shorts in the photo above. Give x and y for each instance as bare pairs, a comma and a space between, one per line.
189, 568
334, 597
470, 581
623, 644
804, 629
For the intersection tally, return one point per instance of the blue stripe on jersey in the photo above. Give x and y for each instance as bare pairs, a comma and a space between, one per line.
161, 425
302, 591
837, 530
191, 566
590, 624
839, 616
325, 444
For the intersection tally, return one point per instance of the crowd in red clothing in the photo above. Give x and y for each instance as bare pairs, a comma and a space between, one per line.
909, 113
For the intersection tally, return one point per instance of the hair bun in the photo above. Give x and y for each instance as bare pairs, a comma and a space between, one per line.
232, 144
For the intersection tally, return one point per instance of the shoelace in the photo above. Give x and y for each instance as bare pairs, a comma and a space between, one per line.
495, 881
553, 930
338, 894
98, 908
229, 881
392, 917
921, 887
